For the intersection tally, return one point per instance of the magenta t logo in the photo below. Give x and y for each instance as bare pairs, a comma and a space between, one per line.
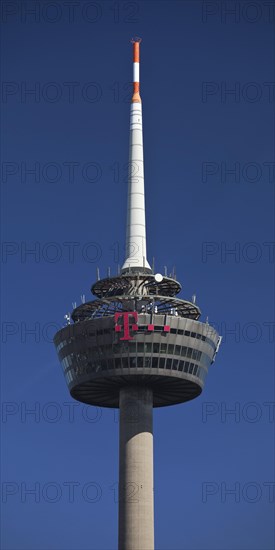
126, 326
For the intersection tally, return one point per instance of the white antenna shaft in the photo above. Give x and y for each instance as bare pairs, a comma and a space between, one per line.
136, 255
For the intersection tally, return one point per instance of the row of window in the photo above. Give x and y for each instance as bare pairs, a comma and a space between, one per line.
133, 362
155, 347
141, 328
132, 347
148, 347
84, 336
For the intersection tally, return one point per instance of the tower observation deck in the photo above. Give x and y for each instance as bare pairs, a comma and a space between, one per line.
136, 346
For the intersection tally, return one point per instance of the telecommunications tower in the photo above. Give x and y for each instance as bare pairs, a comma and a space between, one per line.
134, 347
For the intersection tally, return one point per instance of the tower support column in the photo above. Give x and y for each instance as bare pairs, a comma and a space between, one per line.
136, 492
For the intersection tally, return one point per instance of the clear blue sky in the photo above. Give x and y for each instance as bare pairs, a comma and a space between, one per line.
194, 134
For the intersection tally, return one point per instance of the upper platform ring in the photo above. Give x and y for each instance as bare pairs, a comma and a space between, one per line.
128, 283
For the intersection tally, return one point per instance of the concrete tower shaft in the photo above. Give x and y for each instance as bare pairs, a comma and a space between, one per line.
136, 254
136, 491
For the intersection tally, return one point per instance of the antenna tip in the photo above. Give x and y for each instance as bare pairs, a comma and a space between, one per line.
136, 39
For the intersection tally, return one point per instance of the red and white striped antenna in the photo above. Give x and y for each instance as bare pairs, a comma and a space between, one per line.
136, 97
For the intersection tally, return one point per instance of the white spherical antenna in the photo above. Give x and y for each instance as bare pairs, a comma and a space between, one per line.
158, 277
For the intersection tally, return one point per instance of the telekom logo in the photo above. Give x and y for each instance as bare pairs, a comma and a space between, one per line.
126, 326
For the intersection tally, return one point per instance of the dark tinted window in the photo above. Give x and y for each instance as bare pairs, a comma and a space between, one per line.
110, 363
175, 364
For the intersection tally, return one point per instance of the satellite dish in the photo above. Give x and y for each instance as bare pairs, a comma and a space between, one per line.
158, 277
